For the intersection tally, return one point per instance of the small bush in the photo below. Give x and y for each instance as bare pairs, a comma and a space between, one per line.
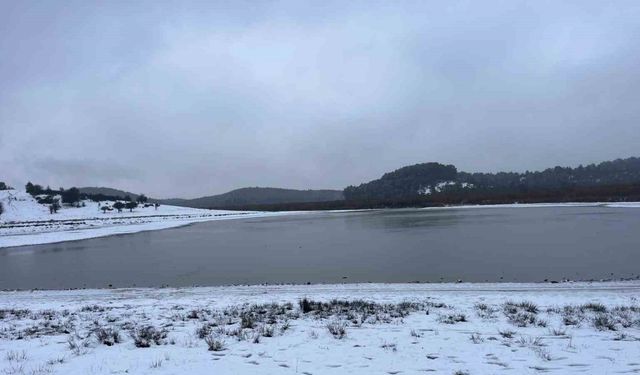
78, 345
476, 338
214, 344
485, 311
542, 353
530, 342
92, 308
107, 336
203, 331
452, 318
558, 331
572, 316
522, 314
522, 319
595, 307
145, 336
247, 321
337, 329
603, 322
16, 356
542, 323
267, 331
305, 305
529, 307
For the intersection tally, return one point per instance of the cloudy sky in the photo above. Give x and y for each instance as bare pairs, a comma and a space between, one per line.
195, 98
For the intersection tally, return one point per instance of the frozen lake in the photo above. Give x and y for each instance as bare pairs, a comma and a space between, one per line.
471, 244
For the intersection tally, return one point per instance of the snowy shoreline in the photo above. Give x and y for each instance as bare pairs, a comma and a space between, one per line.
25, 222
135, 225
512, 328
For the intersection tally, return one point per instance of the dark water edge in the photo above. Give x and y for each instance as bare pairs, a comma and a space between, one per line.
389, 246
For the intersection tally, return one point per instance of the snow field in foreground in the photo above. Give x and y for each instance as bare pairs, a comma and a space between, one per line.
591, 328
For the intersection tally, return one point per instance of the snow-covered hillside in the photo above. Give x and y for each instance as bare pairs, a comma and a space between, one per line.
589, 328
26, 222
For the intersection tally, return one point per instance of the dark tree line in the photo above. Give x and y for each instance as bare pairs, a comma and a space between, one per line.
616, 172
610, 193
405, 183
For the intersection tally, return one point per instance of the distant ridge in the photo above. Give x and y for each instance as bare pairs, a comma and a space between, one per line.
107, 191
258, 196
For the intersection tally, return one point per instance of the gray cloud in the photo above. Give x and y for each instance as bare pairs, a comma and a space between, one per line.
188, 99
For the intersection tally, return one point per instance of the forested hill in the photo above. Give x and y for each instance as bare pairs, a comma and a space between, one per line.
258, 196
403, 183
433, 179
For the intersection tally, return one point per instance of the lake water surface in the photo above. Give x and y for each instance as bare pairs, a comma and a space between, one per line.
474, 244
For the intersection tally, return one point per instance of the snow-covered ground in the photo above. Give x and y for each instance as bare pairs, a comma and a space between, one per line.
26, 222
590, 328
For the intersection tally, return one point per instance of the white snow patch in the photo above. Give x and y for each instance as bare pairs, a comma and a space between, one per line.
442, 186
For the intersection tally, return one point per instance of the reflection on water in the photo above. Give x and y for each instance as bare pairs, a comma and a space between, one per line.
487, 244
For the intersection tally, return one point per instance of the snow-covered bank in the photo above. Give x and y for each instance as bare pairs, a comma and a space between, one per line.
26, 222
591, 328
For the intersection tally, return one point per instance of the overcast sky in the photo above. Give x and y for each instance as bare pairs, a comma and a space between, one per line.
190, 99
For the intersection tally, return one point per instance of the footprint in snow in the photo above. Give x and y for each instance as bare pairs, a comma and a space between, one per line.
605, 357
498, 363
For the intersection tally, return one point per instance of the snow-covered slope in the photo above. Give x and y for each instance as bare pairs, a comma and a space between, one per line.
20, 206
26, 222
514, 329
